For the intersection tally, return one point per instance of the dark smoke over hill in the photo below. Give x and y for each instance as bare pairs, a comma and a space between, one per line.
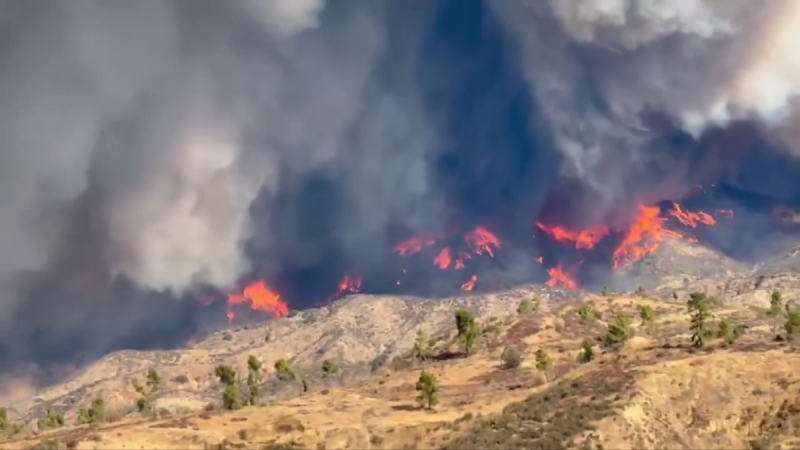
154, 154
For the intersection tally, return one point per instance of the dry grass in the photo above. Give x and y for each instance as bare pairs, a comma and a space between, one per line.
654, 393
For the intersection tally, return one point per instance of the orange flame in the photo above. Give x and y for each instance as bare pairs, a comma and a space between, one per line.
690, 219
470, 284
558, 276
443, 260
415, 244
583, 240
352, 285
482, 240
643, 238
261, 298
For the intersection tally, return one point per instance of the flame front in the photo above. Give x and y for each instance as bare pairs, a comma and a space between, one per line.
643, 237
443, 260
415, 244
558, 276
482, 240
470, 284
350, 285
690, 219
261, 298
583, 240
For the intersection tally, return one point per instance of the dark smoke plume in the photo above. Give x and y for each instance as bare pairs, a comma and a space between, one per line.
153, 151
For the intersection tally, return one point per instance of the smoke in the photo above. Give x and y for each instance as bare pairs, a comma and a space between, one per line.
179, 132
600, 71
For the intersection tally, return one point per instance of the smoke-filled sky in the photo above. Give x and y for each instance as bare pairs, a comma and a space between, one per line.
152, 147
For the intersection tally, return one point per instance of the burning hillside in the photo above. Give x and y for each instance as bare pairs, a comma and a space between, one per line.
463, 252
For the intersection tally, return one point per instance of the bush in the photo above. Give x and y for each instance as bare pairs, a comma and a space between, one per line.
586, 313
51, 420
528, 306
231, 397
511, 358
94, 414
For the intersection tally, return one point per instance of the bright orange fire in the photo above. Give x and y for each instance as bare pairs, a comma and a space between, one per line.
482, 240
690, 219
643, 237
415, 244
583, 240
558, 276
348, 284
443, 260
470, 284
261, 298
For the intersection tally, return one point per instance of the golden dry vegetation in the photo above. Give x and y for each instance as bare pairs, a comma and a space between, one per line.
656, 391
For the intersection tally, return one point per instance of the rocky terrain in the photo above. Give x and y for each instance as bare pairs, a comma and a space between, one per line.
528, 383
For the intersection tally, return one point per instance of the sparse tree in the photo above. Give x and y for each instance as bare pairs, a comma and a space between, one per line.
422, 346
699, 307
253, 379
527, 306
618, 333
52, 419
226, 375
427, 390
3, 418
231, 397
329, 368
153, 380
287, 373
468, 330
605, 292
543, 363
586, 313
640, 291
511, 358
143, 405
775, 304
587, 353
792, 324
94, 414
138, 388
647, 314
730, 332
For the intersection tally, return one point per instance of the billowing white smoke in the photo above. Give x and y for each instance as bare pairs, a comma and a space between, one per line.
177, 115
596, 66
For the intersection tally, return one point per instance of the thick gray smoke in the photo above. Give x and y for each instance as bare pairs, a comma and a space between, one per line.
598, 69
179, 114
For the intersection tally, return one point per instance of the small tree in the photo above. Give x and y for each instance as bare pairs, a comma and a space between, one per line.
95, 414
287, 373
52, 419
231, 397
427, 390
543, 363
729, 332
586, 313
605, 292
422, 346
775, 304
587, 353
253, 379
792, 325
3, 418
329, 369
468, 330
527, 306
618, 333
647, 314
226, 375
511, 358
153, 380
640, 291
143, 405
699, 308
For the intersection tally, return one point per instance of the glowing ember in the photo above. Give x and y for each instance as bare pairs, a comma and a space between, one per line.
261, 298
583, 240
558, 276
643, 238
690, 219
443, 260
470, 284
463, 256
482, 240
540, 260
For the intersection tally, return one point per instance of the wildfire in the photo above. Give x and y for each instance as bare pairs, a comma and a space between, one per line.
482, 240
583, 240
691, 219
443, 260
470, 284
415, 244
261, 298
349, 285
643, 237
558, 276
